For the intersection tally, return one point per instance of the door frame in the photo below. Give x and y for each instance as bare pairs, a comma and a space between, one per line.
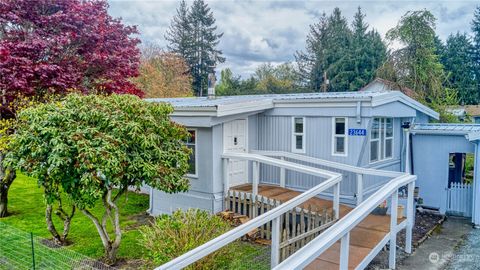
247, 146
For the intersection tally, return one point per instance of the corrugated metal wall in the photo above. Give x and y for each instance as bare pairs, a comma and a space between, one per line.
275, 134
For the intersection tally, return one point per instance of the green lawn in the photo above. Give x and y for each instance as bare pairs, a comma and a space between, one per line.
27, 211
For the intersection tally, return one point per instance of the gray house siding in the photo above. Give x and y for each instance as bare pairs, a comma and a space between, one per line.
431, 163
275, 134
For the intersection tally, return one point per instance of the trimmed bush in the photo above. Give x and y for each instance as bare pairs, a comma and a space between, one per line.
171, 236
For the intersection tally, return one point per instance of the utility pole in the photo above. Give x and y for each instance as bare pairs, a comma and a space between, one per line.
325, 83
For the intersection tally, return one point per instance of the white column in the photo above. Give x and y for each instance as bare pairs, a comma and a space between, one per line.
282, 174
336, 200
410, 218
275, 252
256, 177
407, 152
393, 230
359, 188
344, 251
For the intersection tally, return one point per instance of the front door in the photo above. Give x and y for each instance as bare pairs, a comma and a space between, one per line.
235, 140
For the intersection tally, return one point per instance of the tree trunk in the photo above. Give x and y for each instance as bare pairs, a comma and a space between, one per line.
111, 213
59, 239
7, 175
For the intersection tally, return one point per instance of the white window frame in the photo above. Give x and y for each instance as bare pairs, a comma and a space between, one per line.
335, 136
382, 139
196, 152
294, 134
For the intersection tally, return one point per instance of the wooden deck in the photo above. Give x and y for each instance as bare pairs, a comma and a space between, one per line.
363, 238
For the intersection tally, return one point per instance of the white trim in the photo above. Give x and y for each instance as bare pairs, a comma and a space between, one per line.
295, 134
334, 136
196, 153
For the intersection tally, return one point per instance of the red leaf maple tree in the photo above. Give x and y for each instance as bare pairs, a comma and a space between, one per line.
53, 46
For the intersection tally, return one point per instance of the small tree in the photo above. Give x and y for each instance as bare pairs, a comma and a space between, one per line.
95, 147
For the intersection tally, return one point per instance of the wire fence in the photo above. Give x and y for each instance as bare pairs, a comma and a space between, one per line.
23, 250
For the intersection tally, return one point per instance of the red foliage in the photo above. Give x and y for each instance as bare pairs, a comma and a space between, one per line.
53, 46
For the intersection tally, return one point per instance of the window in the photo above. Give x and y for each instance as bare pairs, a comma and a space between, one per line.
381, 139
191, 143
339, 140
298, 138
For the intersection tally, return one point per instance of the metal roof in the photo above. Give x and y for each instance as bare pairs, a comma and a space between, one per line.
229, 105
447, 129
225, 100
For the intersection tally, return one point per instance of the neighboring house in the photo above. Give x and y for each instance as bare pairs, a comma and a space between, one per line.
467, 113
357, 128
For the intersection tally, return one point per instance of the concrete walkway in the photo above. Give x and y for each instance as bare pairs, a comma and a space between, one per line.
437, 251
467, 255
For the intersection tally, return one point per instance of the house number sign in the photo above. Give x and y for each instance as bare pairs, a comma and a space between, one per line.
357, 132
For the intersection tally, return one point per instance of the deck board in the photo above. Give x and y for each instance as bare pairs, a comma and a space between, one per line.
363, 238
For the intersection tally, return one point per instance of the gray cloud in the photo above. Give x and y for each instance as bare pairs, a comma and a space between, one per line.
262, 31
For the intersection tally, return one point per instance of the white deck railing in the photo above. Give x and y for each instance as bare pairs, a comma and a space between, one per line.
333, 180
339, 231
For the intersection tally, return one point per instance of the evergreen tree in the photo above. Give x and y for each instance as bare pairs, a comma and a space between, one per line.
192, 34
179, 33
204, 55
476, 46
367, 52
348, 58
310, 63
458, 62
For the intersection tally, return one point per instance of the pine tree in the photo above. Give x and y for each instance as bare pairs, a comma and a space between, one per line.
179, 33
204, 54
457, 60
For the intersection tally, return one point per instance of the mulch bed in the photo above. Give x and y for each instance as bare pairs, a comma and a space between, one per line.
425, 225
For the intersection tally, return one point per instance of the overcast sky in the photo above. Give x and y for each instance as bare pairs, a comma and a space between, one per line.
261, 31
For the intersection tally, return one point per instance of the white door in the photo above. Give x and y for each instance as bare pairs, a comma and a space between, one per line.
235, 140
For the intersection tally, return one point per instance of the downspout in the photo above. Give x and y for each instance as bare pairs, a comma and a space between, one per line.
150, 209
359, 112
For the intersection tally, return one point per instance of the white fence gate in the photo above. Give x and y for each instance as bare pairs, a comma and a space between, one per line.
460, 199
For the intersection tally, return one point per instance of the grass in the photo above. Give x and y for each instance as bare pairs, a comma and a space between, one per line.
27, 212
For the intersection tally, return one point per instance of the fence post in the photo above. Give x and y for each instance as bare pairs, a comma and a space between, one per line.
344, 250
33, 251
282, 174
410, 217
359, 188
336, 200
393, 230
275, 257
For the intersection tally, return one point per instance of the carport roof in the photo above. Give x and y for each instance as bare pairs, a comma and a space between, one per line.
471, 131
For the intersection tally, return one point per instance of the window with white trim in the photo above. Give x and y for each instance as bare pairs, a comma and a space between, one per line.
381, 139
191, 143
340, 139
298, 135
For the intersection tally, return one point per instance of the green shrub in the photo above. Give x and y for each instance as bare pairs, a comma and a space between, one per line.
171, 236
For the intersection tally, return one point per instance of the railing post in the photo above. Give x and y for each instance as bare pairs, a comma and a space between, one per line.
359, 188
275, 253
410, 217
336, 200
226, 176
282, 174
256, 177
393, 230
344, 251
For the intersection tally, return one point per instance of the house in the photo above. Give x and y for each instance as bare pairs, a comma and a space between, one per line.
466, 113
356, 128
